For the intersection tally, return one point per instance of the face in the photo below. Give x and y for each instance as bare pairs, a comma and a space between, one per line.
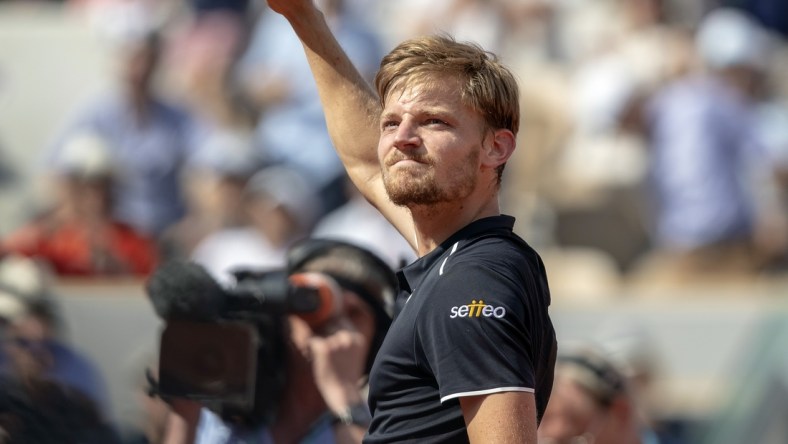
430, 145
25, 346
137, 63
94, 196
86, 198
355, 315
572, 416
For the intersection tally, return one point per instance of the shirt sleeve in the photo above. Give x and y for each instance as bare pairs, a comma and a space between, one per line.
475, 334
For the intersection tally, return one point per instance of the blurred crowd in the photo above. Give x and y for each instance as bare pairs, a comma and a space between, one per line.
654, 146
653, 149
210, 145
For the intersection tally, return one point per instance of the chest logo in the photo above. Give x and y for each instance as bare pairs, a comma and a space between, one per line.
477, 309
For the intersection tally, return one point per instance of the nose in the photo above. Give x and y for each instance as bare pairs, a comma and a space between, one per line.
406, 136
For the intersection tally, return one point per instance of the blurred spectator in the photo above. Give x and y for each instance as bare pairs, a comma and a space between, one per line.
479, 21
707, 165
292, 129
208, 37
148, 136
281, 207
79, 236
358, 222
632, 349
516, 30
617, 52
208, 40
642, 52
772, 131
213, 180
33, 347
43, 412
239, 7
591, 402
7, 173
772, 13
144, 421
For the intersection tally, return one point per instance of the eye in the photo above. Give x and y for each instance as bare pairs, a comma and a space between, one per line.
434, 121
389, 124
356, 313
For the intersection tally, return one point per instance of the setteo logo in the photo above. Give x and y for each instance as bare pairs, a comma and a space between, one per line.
477, 309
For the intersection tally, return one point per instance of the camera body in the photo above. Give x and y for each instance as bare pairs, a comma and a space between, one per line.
231, 357
214, 363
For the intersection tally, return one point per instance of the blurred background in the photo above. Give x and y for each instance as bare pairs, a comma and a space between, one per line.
651, 174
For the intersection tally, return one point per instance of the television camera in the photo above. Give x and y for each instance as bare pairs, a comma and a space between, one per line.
226, 348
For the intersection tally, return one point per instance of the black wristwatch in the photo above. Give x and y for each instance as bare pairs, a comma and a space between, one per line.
356, 414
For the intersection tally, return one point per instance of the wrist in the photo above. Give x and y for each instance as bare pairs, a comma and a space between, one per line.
339, 395
357, 414
304, 18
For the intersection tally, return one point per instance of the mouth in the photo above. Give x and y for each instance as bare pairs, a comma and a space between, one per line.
406, 161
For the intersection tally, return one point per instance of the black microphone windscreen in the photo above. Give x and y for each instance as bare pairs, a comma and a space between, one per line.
185, 290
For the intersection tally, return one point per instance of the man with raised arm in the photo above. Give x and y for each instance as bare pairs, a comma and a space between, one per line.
470, 355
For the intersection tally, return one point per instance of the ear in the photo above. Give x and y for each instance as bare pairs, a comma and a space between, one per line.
498, 146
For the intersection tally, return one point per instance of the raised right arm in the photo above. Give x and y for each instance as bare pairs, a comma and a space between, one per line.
351, 107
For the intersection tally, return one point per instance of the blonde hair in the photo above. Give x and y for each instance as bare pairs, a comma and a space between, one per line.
486, 85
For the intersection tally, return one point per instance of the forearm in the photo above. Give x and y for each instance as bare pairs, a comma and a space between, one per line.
350, 106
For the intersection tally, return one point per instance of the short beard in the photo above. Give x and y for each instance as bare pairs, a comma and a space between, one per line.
414, 191
409, 190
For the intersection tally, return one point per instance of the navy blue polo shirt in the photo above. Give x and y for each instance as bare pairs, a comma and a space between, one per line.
475, 322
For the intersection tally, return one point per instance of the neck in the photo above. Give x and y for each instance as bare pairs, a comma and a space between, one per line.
436, 223
140, 104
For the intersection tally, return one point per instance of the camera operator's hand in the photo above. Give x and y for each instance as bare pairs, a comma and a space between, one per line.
338, 364
337, 353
